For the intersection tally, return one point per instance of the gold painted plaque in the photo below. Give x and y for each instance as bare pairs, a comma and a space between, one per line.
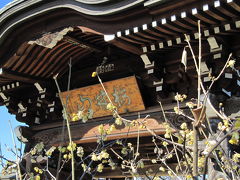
92, 100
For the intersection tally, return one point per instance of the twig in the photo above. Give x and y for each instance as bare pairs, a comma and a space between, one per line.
195, 152
116, 154
137, 153
68, 128
2, 157
165, 118
163, 139
213, 148
204, 91
63, 125
2, 164
86, 170
17, 158
53, 178
219, 75
199, 62
171, 170
60, 169
184, 155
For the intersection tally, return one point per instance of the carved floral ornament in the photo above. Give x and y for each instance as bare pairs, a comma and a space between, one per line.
49, 40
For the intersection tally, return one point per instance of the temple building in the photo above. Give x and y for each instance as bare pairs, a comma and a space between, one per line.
139, 52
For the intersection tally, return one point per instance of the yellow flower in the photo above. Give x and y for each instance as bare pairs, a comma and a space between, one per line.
65, 156
221, 127
75, 117
33, 151
165, 143
142, 126
112, 128
84, 118
154, 161
104, 154
233, 141
231, 63
40, 171
94, 157
118, 121
180, 97
235, 138
190, 105
36, 169
236, 157
226, 122
169, 156
62, 149
99, 157
162, 169
141, 164
170, 173
201, 161
101, 129
72, 146
184, 126
167, 135
94, 74
177, 110
50, 151
84, 167
129, 145
220, 153
37, 177
124, 151
110, 107
100, 167
80, 151
189, 176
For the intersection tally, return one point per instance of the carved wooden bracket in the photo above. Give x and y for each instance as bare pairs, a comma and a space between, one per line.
49, 40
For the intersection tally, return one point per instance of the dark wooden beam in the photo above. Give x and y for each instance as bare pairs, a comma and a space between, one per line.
126, 46
88, 132
153, 111
16, 76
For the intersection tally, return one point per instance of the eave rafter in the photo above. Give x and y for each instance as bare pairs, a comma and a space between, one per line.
16, 76
226, 29
82, 44
127, 46
33, 63
169, 31
49, 55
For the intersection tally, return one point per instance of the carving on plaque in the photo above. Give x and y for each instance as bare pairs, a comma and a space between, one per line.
120, 97
86, 103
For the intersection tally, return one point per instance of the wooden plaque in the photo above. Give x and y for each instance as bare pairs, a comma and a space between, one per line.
92, 100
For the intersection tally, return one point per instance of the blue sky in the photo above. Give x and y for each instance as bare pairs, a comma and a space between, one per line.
4, 2
5, 131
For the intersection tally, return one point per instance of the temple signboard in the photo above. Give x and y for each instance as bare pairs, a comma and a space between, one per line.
124, 94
